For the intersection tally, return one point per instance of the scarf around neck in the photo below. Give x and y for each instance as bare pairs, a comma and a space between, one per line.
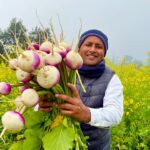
92, 71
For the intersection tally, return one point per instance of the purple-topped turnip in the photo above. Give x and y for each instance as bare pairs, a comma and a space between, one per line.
5, 88
28, 61
48, 77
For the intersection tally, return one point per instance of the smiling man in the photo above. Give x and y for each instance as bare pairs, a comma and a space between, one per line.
102, 105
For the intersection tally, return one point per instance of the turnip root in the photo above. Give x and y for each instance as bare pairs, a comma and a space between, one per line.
33, 46
28, 61
53, 59
73, 60
42, 56
30, 97
12, 121
5, 88
48, 76
65, 45
23, 76
23, 88
46, 46
13, 64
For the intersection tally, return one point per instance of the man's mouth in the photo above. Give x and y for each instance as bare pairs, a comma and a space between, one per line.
91, 56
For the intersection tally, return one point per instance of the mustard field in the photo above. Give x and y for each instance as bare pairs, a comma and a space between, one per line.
133, 133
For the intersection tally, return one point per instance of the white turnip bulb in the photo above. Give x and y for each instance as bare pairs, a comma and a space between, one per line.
28, 61
5, 88
48, 76
30, 97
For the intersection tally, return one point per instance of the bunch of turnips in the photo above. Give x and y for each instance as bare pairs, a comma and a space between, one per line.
42, 70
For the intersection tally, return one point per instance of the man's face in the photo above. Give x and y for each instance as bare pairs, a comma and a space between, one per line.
92, 51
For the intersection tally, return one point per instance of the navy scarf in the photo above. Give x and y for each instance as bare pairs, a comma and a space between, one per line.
92, 71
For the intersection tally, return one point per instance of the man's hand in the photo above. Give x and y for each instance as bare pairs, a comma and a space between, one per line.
74, 106
45, 106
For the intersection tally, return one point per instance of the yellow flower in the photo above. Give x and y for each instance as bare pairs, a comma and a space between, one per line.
57, 121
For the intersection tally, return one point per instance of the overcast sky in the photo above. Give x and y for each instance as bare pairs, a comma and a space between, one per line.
125, 22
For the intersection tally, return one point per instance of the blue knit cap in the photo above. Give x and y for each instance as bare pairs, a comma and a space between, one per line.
97, 33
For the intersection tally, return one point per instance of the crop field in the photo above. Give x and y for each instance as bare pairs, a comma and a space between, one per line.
133, 133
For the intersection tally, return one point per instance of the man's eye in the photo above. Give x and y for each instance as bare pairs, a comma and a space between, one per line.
99, 47
88, 45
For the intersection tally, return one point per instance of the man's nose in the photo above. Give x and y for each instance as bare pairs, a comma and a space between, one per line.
92, 48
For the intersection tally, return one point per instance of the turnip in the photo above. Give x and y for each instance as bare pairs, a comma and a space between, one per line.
5, 88
48, 76
42, 56
46, 46
23, 76
23, 88
33, 46
65, 45
13, 64
30, 97
53, 59
61, 50
73, 60
28, 61
12, 121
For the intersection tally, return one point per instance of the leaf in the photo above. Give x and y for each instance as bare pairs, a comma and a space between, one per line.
32, 118
32, 142
60, 138
16, 146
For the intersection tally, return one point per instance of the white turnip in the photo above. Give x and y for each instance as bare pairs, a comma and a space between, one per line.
53, 59
33, 46
30, 97
5, 88
13, 64
48, 76
23, 76
28, 61
73, 60
12, 121
46, 46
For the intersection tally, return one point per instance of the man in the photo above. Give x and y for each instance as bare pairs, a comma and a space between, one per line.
102, 104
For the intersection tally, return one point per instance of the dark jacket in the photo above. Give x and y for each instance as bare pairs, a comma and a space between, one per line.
99, 138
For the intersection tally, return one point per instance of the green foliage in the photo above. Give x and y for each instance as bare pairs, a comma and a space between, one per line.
16, 146
55, 140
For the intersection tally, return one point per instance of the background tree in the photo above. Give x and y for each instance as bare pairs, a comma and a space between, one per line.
38, 35
15, 28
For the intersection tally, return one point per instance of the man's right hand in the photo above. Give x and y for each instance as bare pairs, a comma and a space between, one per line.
46, 106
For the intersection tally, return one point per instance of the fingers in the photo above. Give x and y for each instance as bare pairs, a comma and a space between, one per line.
65, 106
45, 109
74, 90
66, 112
65, 98
46, 106
68, 98
45, 103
